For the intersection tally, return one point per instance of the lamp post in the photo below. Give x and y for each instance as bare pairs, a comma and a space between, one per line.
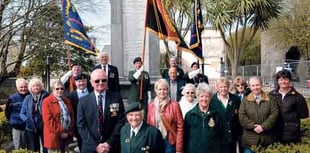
48, 61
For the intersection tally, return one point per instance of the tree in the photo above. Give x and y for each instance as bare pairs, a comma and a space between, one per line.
293, 26
228, 16
251, 54
31, 30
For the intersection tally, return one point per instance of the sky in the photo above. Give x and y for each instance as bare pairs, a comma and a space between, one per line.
96, 13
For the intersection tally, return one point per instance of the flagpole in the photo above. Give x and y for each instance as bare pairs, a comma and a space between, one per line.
71, 88
143, 53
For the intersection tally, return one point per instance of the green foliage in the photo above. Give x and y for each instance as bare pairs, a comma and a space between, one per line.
228, 17
5, 129
293, 26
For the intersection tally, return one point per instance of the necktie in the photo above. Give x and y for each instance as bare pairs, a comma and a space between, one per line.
133, 135
104, 68
100, 112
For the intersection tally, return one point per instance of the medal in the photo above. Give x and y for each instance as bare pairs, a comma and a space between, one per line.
211, 122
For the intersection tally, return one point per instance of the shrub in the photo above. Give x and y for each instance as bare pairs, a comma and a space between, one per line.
5, 129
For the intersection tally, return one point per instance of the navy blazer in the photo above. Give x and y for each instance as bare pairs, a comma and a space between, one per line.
87, 121
113, 78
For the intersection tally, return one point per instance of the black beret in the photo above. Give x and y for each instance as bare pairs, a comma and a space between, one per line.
80, 76
133, 107
137, 59
195, 63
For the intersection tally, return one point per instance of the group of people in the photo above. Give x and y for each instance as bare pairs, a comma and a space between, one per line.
185, 116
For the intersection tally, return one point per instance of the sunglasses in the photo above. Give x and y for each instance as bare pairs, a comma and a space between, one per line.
189, 92
100, 80
60, 88
239, 85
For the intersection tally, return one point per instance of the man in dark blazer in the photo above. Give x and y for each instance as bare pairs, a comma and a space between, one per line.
81, 91
111, 72
135, 77
100, 117
137, 136
175, 84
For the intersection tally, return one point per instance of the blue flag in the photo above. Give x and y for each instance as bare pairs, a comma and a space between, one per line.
75, 33
197, 28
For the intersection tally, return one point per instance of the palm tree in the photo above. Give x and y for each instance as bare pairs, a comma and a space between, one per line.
229, 16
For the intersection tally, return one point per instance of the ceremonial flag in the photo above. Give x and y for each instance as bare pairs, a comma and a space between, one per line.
197, 28
75, 33
158, 21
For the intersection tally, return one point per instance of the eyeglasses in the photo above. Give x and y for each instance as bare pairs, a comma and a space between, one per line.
100, 80
239, 85
189, 92
60, 88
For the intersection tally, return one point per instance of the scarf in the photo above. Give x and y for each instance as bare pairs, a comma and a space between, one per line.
159, 105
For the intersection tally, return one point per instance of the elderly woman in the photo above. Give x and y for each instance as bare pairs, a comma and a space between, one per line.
229, 104
31, 113
258, 113
58, 119
293, 107
188, 100
240, 87
166, 115
204, 130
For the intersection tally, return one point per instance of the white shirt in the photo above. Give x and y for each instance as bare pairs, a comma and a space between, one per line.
186, 106
82, 93
106, 69
224, 101
136, 130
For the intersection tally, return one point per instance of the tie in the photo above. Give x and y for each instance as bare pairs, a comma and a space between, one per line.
104, 68
100, 112
82, 91
133, 135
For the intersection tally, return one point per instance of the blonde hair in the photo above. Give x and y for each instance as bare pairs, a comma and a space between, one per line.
35, 81
161, 81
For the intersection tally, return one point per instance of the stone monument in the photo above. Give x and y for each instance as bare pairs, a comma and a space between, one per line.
127, 35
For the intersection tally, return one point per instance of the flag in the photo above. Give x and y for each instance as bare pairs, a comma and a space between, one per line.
75, 33
158, 21
197, 28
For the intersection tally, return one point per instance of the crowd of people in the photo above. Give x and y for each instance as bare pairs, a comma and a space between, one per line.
185, 116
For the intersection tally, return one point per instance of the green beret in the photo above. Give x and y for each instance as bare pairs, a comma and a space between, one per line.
133, 107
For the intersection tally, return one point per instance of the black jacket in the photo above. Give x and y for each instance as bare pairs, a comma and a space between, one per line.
293, 107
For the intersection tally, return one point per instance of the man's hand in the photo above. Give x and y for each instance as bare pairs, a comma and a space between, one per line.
258, 128
103, 148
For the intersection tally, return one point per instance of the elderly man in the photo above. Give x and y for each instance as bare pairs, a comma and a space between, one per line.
176, 84
173, 63
12, 110
100, 116
68, 79
137, 136
111, 71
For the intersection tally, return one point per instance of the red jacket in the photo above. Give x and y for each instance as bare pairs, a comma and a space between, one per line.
51, 122
173, 116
